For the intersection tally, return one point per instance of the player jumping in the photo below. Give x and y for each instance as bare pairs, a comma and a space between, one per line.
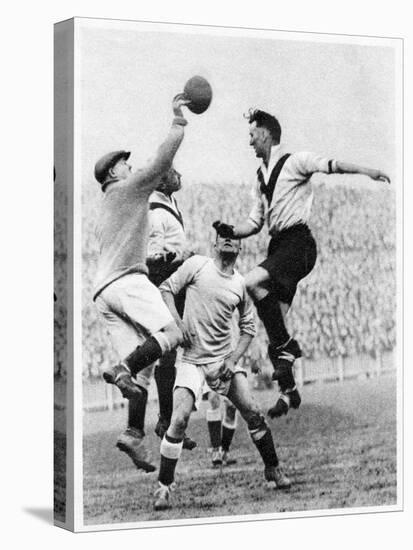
167, 249
283, 196
140, 325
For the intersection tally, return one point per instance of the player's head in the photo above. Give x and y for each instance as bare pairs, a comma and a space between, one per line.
170, 182
264, 130
226, 247
112, 167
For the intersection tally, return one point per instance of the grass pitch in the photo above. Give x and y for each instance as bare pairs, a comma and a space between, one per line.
339, 449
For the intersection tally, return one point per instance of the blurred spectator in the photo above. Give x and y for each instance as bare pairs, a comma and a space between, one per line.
346, 306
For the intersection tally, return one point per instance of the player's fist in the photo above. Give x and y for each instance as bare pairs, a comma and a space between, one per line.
378, 175
228, 369
224, 230
179, 101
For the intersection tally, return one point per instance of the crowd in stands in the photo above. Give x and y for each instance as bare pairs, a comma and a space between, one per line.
346, 306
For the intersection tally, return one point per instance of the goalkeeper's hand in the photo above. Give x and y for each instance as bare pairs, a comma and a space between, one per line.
224, 230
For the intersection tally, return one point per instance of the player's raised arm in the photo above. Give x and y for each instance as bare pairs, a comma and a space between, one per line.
165, 154
340, 167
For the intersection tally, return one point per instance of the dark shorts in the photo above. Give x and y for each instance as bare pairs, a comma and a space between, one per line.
292, 255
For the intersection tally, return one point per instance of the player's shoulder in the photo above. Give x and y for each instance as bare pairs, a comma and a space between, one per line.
158, 214
301, 155
305, 156
194, 265
302, 160
197, 260
134, 177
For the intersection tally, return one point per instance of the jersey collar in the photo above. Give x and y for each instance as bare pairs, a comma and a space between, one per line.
275, 155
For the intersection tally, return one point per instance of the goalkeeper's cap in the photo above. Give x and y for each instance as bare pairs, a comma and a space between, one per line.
105, 163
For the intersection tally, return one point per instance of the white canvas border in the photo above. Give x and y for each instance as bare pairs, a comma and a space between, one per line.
77, 296
394, 42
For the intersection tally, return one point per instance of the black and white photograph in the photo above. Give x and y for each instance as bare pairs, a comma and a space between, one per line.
237, 270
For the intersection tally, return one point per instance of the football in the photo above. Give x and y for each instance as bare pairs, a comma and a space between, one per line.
199, 92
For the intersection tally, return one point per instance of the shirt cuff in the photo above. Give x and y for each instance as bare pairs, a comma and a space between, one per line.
333, 168
180, 120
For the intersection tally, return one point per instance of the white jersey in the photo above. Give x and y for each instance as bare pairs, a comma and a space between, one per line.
166, 231
211, 300
289, 201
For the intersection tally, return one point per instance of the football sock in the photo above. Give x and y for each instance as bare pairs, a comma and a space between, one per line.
143, 355
283, 366
286, 382
262, 438
165, 374
171, 449
227, 435
214, 427
137, 410
229, 424
269, 311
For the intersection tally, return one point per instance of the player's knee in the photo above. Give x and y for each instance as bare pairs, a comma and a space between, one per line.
257, 282
255, 420
173, 334
214, 400
256, 291
230, 413
180, 421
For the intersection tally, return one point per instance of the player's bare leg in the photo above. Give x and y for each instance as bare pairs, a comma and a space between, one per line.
165, 374
261, 436
171, 446
258, 283
229, 425
282, 349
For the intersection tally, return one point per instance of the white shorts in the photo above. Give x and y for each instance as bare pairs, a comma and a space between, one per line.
133, 309
196, 377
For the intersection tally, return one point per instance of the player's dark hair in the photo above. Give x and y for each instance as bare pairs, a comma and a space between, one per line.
265, 120
164, 179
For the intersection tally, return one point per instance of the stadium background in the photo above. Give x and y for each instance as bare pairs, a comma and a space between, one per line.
345, 308
340, 447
